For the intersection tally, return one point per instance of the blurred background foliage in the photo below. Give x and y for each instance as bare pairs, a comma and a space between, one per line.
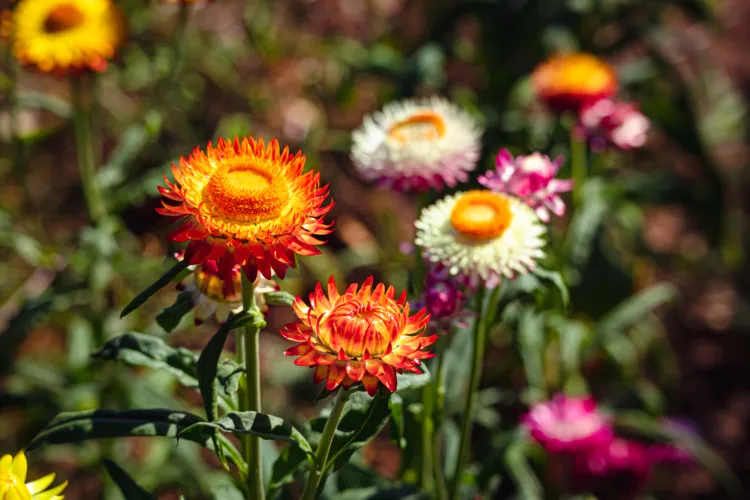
658, 316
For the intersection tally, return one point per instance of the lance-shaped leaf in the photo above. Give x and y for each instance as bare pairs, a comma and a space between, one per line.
137, 349
74, 427
289, 461
127, 484
521, 472
170, 317
634, 309
155, 287
250, 423
279, 298
363, 419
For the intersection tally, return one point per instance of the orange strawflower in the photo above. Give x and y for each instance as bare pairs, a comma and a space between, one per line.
242, 203
361, 336
567, 82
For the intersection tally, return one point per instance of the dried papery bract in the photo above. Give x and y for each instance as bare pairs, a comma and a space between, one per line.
244, 203
417, 145
363, 335
67, 36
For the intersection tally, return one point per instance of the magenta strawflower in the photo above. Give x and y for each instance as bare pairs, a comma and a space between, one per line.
568, 425
530, 178
614, 123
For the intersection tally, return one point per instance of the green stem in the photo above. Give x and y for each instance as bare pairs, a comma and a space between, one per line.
441, 492
81, 92
250, 401
480, 339
324, 448
428, 432
578, 165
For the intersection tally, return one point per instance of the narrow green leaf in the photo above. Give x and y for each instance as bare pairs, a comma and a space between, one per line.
279, 298
557, 280
155, 287
127, 485
634, 309
137, 349
405, 492
410, 380
520, 471
286, 465
74, 427
227, 492
531, 346
253, 423
170, 317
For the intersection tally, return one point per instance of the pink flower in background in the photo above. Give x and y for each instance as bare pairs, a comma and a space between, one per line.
568, 425
681, 431
620, 124
530, 178
442, 297
617, 457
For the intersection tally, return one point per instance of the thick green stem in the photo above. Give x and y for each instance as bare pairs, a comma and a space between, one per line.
578, 151
250, 401
428, 438
441, 492
82, 98
480, 339
324, 448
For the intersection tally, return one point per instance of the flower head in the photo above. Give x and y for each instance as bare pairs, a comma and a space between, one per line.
531, 178
360, 336
246, 204
13, 481
481, 236
566, 82
619, 124
216, 294
67, 35
417, 145
568, 425
618, 469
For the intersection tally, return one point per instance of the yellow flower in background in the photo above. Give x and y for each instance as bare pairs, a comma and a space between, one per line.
567, 82
482, 236
363, 336
244, 203
13, 485
65, 35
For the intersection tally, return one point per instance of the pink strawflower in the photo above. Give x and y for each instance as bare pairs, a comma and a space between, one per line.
614, 123
530, 178
619, 469
568, 425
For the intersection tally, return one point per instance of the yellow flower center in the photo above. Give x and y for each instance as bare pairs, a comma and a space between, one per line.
208, 281
481, 215
427, 126
245, 190
355, 326
63, 17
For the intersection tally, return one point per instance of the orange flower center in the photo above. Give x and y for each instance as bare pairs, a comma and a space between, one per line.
425, 126
580, 73
245, 190
63, 17
481, 215
355, 326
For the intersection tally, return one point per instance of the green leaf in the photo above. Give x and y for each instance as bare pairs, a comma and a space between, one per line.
155, 287
31, 312
74, 427
279, 298
634, 309
227, 492
531, 346
410, 380
251, 423
289, 461
363, 419
520, 471
405, 492
557, 280
207, 367
170, 317
127, 485
137, 349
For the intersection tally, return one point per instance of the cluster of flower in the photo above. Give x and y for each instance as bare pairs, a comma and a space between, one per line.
583, 445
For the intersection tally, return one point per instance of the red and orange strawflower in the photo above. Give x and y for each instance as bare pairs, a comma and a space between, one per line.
244, 203
366, 335
568, 81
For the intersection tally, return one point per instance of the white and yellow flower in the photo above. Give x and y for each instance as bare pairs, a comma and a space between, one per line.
417, 145
481, 235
